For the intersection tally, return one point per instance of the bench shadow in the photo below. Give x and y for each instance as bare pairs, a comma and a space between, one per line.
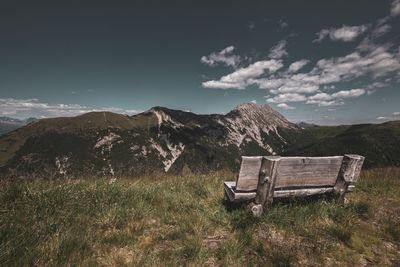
302, 201
290, 201
232, 206
242, 220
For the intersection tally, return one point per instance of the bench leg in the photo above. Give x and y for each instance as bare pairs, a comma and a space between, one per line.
265, 187
341, 196
348, 173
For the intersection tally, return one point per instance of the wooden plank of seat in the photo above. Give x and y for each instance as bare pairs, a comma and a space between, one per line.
235, 196
302, 192
307, 171
248, 175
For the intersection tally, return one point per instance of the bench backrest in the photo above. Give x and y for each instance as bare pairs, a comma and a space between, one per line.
248, 175
307, 171
291, 172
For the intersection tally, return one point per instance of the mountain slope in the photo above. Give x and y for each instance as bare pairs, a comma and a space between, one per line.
162, 140
156, 141
379, 143
8, 124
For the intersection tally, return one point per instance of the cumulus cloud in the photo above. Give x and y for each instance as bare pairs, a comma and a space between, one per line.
395, 8
279, 50
293, 88
344, 34
225, 56
374, 62
324, 99
24, 108
371, 64
285, 106
289, 97
380, 30
377, 63
243, 77
296, 66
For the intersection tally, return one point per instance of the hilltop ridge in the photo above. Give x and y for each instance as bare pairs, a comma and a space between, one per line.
157, 140
162, 140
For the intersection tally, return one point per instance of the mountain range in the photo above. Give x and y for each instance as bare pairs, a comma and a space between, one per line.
8, 124
163, 140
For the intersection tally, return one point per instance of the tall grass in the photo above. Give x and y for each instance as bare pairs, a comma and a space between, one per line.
184, 220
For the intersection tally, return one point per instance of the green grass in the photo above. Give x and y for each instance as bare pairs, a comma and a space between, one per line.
183, 220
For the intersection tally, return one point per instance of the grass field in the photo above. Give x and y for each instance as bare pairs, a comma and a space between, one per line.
183, 220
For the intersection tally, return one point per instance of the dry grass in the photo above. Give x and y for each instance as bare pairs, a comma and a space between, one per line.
178, 220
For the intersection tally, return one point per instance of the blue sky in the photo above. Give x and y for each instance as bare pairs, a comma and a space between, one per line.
326, 62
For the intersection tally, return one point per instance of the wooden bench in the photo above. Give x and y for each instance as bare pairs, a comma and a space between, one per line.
261, 179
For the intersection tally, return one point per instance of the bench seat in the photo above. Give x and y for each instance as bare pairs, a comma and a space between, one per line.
238, 196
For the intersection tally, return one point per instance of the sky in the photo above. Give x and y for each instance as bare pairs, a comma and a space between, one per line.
323, 62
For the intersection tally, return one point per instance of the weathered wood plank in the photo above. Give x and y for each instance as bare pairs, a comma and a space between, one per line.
234, 196
348, 174
301, 192
308, 171
265, 187
262, 178
248, 174
310, 160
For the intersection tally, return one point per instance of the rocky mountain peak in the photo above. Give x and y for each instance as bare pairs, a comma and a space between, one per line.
252, 106
251, 122
260, 114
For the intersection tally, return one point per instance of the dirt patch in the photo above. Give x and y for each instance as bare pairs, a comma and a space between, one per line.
215, 241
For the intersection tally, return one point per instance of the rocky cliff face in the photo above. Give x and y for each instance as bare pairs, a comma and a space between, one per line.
253, 123
159, 140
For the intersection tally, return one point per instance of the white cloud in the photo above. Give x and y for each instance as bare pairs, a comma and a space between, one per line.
395, 8
285, 106
224, 56
344, 34
380, 30
376, 62
253, 101
282, 24
23, 108
383, 118
324, 99
242, 77
371, 65
348, 94
279, 50
290, 97
386, 118
324, 103
292, 87
296, 66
